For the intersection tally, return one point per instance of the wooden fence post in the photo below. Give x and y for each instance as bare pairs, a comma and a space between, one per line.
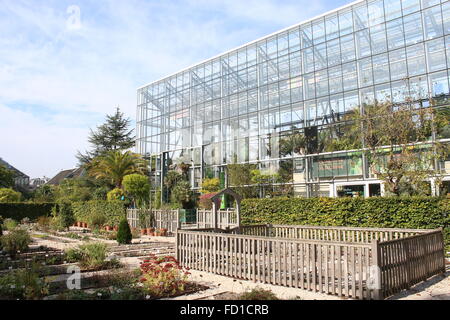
376, 270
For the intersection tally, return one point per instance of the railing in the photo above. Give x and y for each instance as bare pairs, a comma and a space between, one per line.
340, 234
327, 267
350, 262
406, 262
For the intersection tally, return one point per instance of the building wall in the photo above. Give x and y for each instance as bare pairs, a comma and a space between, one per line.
240, 105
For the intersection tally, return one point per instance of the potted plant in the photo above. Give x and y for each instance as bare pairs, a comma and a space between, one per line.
158, 232
116, 228
163, 232
143, 231
151, 231
108, 228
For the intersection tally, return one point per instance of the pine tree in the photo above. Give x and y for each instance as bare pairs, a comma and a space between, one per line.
114, 134
124, 235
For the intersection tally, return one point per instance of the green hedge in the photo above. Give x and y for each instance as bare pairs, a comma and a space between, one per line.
398, 212
18, 211
114, 211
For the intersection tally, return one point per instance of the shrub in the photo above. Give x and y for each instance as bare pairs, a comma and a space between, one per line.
115, 194
258, 294
43, 223
381, 212
113, 211
10, 224
138, 187
97, 220
23, 284
89, 255
163, 276
124, 235
18, 211
9, 195
66, 214
15, 241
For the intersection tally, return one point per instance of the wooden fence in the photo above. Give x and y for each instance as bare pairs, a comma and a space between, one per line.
170, 219
337, 265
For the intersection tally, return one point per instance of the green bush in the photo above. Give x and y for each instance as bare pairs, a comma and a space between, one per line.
9, 195
381, 212
10, 224
124, 235
89, 255
112, 211
18, 211
258, 294
15, 241
23, 284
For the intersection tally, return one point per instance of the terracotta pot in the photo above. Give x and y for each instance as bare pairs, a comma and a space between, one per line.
79, 224
116, 228
150, 230
85, 225
108, 228
143, 232
163, 232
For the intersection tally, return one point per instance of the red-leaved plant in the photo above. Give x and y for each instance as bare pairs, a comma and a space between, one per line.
163, 276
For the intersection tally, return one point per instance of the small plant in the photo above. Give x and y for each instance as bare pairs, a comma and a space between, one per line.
25, 220
124, 235
163, 276
10, 224
97, 220
23, 284
258, 294
15, 241
43, 223
89, 255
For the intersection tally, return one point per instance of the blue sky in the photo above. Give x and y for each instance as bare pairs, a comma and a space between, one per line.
60, 75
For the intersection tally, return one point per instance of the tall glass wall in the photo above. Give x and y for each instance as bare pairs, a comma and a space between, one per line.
246, 106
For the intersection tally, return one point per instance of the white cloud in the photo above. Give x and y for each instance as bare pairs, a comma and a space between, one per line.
65, 80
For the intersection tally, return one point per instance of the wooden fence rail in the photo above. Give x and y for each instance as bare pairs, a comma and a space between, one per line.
341, 261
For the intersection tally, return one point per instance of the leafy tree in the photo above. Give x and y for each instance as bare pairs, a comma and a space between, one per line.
138, 187
182, 194
114, 134
124, 235
45, 193
115, 194
391, 134
6, 177
9, 195
65, 214
240, 178
115, 165
210, 185
71, 190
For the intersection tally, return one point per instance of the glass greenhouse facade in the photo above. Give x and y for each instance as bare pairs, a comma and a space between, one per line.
242, 106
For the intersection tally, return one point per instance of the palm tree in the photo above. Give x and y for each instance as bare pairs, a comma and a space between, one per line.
114, 165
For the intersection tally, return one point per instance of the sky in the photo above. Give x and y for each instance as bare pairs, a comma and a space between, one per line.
64, 65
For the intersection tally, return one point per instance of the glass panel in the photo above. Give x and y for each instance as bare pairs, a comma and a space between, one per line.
351, 77
365, 75
380, 68
362, 43
399, 91
294, 40
392, 9
438, 83
416, 59
333, 52
410, 6
332, 27
413, 30
446, 16
320, 56
378, 38
345, 22
398, 67
306, 35
395, 34
432, 21
418, 88
360, 17
335, 79
347, 48
429, 3
435, 55
318, 28
321, 83
376, 12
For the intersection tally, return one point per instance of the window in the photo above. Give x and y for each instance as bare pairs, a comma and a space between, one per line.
333, 52
432, 22
347, 48
435, 54
393, 9
416, 59
360, 17
365, 75
376, 12
335, 79
413, 29
362, 43
395, 34
350, 76
378, 38
345, 22
398, 67
438, 83
380, 68
332, 27
318, 28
